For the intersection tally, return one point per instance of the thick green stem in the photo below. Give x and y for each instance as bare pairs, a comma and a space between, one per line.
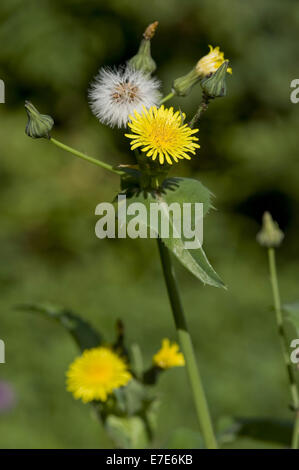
167, 97
104, 165
284, 346
199, 398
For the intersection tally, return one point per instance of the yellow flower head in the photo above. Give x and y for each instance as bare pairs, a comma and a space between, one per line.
95, 374
168, 356
161, 133
211, 62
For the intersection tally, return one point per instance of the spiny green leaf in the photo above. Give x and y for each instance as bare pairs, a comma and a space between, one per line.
178, 190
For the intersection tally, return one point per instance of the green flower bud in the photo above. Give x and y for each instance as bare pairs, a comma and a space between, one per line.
182, 85
207, 65
270, 235
143, 60
38, 125
215, 85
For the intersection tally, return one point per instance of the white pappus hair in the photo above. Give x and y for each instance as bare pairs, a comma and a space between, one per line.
116, 93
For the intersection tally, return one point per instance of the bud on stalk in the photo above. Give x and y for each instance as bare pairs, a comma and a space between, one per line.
215, 85
38, 125
270, 235
143, 60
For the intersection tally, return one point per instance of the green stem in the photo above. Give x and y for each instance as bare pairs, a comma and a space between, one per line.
284, 345
167, 97
104, 165
199, 398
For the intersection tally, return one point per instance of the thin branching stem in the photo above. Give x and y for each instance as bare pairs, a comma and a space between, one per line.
167, 97
201, 109
89, 159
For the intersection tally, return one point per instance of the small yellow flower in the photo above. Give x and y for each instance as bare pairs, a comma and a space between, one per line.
211, 62
95, 374
161, 133
169, 355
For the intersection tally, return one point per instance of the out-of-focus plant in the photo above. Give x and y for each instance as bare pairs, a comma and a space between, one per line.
271, 237
129, 97
7, 396
113, 378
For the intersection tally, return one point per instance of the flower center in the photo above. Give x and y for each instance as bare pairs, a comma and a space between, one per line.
99, 373
126, 92
162, 136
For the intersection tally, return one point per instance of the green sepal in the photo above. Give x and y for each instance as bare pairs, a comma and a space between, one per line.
215, 85
143, 60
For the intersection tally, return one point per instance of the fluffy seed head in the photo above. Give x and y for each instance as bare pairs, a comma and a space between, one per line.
116, 93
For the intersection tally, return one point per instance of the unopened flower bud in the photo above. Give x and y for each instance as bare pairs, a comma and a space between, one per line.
143, 60
207, 65
38, 125
215, 85
182, 85
270, 235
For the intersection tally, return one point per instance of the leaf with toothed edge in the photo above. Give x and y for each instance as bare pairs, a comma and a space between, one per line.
181, 191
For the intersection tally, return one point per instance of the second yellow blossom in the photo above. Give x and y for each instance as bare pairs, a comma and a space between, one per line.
168, 356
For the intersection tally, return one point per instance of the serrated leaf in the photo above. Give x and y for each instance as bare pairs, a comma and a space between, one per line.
83, 333
181, 191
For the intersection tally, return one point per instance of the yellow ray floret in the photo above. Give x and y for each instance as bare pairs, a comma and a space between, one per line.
211, 62
95, 374
161, 133
168, 356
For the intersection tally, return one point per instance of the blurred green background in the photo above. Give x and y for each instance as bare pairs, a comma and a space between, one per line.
50, 50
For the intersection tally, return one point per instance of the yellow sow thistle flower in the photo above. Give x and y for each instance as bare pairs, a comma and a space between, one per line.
168, 356
211, 62
95, 374
161, 133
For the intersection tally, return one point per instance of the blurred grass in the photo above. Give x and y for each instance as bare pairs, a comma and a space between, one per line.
48, 249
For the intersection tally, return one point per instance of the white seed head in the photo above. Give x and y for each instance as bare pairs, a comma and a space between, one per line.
116, 93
